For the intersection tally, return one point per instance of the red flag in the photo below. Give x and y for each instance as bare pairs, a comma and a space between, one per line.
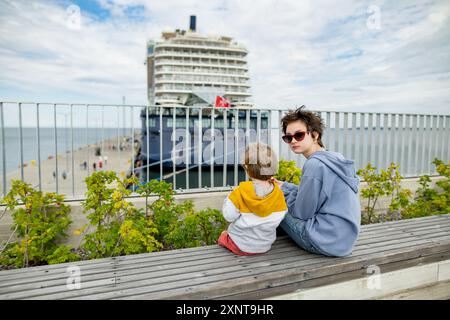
222, 102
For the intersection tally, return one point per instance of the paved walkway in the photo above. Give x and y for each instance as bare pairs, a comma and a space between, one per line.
71, 182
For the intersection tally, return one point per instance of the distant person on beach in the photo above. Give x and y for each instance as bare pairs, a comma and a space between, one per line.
256, 207
94, 166
324, 211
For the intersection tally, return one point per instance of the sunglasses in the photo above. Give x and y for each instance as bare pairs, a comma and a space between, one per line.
299, 136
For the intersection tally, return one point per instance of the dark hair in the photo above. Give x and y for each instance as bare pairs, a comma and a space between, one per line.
313, 122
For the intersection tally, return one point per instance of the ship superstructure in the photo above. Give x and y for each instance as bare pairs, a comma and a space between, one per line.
186, 68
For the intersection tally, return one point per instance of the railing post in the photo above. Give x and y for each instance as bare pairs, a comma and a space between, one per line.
362, 138
187, 146
385, 140
161, 141
21, 142
56, 148
212, 146
73, 160
345, 135
236, 146
87, 140
174, 155
338, 131
3, 150
225, 146
200, 145
38, 135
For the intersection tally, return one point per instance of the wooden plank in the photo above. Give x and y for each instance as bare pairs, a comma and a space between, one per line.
105, 262
399, 223
204, 250
143, 286
154, 256
282, 275
362, 288
151, 271
267, 255
272, 291
145, 267
65, 276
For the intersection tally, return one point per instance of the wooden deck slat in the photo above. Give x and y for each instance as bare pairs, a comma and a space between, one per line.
317, 258
364, 229
381, 227
271, 291
189, 286
164, 275
282, 275
135, 267
154, 271
399, 223
207, 250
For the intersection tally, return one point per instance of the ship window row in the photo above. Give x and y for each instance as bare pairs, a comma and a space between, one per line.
229, 88
202, 57
206, 123
205, 52
202, 70
203, 63
201, 43
186, 77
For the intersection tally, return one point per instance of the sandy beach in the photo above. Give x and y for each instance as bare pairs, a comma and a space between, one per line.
71, 182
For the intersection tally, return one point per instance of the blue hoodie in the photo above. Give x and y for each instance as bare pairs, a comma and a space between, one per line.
328, 200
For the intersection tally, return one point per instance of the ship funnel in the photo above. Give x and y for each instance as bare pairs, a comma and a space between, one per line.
192, 23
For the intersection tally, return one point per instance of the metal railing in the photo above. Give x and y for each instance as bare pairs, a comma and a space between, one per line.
176, 144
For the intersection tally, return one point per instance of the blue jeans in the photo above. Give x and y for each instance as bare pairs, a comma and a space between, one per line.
296, 229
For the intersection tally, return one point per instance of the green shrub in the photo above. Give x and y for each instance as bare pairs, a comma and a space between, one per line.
196, 229
119, 227
40, 223
385, 183
165, 212
288, 171
429, 201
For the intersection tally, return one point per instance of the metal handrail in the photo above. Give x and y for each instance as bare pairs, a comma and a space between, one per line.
412, 140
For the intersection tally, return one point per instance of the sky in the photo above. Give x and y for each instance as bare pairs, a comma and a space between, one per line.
368, 56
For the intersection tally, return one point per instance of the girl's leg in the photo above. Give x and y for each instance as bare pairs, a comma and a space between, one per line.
296, 229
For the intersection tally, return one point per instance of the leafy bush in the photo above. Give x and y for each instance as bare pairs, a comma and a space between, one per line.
40, 222
120, 228
196, 229
430, 201
288, 171
165, 212
385, 183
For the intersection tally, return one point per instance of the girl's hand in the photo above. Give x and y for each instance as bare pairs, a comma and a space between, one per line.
278, 182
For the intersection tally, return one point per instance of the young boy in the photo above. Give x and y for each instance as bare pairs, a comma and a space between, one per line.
255, 208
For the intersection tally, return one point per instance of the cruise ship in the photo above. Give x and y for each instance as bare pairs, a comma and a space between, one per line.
189, 69
188, 72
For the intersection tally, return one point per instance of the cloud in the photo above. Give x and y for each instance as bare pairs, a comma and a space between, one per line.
318, 53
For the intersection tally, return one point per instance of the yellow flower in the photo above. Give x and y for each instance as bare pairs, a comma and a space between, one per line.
116, 196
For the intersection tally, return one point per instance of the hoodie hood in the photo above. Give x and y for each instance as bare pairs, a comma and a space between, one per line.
343, 168
245, 199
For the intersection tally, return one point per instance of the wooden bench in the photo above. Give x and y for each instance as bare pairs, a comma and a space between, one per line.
212, 272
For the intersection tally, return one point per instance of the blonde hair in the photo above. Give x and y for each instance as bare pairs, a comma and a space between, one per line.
260, 162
